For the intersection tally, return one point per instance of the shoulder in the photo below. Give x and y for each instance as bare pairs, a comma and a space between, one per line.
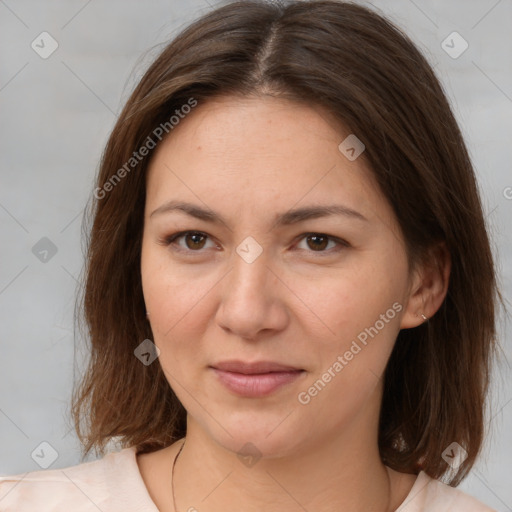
430, 495
112, 483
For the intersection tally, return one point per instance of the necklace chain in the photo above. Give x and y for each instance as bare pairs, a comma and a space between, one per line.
181, 448
172, 477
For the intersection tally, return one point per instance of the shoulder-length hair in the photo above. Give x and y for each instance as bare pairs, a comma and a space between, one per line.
361, 68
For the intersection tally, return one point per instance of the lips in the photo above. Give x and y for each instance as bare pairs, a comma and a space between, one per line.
253, 368
255, 380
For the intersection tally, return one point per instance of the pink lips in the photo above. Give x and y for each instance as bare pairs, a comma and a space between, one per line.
255, 379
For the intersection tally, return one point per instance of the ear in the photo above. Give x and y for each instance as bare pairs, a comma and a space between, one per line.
429, 287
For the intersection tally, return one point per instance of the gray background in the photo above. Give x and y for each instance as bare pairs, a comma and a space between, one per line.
56, 116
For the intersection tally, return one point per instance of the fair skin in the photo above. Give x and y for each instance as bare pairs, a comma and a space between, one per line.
301, 302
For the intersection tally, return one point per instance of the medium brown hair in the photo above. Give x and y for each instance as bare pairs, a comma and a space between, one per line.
359, 67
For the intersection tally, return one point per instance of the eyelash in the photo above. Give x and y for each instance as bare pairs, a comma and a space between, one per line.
171, 239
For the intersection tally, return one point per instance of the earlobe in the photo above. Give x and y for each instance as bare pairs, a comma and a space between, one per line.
410, 319
430, 289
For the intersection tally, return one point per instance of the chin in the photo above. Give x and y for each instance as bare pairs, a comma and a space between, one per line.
263, 435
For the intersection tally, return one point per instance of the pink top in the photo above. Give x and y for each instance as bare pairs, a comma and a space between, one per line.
114, 484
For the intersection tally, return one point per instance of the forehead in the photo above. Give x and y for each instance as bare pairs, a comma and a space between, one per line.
261, 128
257, 153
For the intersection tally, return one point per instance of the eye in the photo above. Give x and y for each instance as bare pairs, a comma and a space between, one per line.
195, 241
318, 242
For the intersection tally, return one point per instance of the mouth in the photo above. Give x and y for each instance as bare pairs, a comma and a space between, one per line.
253, 380
258, 367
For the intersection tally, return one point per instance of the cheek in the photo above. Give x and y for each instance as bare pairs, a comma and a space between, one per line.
179, 304
360, 313
176, 306
350, 300
168, 293
364, 316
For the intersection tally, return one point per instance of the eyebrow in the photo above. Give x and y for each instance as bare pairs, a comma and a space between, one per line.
285, 219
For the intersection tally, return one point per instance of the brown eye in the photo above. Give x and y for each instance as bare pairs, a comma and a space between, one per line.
317, 242
194, 241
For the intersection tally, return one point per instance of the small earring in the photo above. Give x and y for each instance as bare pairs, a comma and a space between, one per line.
424, 317
147, 314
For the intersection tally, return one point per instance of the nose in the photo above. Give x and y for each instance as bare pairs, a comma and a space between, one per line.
252, 300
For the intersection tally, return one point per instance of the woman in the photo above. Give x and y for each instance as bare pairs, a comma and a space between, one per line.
290, 292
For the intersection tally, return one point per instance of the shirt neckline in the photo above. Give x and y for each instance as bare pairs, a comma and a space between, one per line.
133, 483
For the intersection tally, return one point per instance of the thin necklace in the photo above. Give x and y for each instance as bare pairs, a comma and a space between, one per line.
389, 490
181, 448
172, 477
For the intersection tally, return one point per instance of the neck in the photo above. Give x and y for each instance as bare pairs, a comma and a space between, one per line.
341, 472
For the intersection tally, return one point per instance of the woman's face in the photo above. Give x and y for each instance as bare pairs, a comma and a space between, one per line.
323, 294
